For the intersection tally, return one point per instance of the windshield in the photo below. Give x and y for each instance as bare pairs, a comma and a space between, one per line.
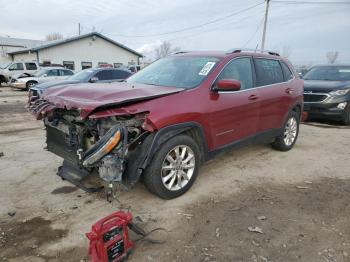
41, 73
330, 73
82, 75
4, 65
181, 71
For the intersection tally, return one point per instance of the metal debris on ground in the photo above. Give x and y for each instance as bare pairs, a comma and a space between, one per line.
188, 216
255, 229
302, 187
12, 213
261, 217
217, 232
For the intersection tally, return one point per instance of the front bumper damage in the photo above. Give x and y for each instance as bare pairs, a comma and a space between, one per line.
111, 149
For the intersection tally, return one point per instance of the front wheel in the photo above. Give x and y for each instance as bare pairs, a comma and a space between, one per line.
286, 140
346, 116
174, 167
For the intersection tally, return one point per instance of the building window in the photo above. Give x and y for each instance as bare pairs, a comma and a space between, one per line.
117, 65
46, 63
85, 65
69, 65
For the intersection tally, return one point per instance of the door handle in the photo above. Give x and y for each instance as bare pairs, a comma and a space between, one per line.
289, 91
253, 97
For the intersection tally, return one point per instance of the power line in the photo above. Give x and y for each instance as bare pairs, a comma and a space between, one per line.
310, 2
193, 27
256, 30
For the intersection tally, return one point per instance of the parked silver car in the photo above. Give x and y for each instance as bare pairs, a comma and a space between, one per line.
42, 76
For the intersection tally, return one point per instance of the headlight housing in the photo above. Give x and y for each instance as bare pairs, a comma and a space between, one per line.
104, 146
340, 92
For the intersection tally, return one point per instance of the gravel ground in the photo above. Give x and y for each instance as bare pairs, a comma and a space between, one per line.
252, 204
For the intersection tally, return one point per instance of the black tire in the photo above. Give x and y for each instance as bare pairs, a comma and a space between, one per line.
29, 84
346, 117
152, 176
279, 142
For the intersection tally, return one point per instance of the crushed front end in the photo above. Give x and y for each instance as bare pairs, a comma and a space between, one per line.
101, 147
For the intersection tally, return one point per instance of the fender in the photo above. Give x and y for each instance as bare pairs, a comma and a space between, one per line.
142, 157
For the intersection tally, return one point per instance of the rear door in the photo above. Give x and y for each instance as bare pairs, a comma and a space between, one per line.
274, 91
234, 115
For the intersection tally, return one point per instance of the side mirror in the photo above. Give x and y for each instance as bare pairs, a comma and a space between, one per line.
44, 75
93, 79
227, 85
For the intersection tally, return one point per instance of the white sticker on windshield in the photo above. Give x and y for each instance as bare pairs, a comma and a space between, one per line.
206, 68
344, 70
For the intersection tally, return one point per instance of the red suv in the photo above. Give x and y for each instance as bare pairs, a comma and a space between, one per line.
165, 120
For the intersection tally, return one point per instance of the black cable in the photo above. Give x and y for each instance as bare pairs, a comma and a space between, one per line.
193, 27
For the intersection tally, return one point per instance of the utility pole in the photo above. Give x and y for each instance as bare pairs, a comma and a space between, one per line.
265, 23
78, 28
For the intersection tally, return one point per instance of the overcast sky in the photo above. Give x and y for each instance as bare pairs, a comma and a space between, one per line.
307, 31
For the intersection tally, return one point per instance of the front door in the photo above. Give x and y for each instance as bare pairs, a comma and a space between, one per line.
234, 115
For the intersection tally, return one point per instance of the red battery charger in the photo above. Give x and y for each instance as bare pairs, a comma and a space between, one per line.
109, 238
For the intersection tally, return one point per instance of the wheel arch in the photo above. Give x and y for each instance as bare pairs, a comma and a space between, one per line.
192, 129
144, 155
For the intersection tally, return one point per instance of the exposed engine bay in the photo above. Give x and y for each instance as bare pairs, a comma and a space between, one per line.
100, 146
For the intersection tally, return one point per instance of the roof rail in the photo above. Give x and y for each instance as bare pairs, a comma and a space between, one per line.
238, 50
179, 52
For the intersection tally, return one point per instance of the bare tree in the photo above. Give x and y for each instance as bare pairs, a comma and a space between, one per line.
286, 51
332, 56
165, 49
53, 36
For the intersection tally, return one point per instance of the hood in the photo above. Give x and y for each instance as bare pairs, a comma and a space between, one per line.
88, 97
325, 86
49, 84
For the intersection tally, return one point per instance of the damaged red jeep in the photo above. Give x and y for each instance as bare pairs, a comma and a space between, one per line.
164, 121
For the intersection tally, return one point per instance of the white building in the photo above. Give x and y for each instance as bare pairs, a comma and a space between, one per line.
9, 44
79, 52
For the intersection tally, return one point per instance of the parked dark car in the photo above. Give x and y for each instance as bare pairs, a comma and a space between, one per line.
165, 120
90, 75
327, 92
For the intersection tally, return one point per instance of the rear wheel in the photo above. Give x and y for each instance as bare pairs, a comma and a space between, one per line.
30, 84
286, 140
174, 167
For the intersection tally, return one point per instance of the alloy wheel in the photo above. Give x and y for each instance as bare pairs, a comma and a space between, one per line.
290, 131
178, 167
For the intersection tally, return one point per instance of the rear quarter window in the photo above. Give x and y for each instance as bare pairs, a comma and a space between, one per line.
268, 72
31, 66
288, 75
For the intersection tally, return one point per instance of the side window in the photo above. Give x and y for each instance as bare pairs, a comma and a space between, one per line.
16, 66
120, 74
31, 66
268, 72
104, 75
288, 75
239, 69
53, 72
66, 73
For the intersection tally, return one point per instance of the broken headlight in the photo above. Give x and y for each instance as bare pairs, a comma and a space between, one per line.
104, 146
